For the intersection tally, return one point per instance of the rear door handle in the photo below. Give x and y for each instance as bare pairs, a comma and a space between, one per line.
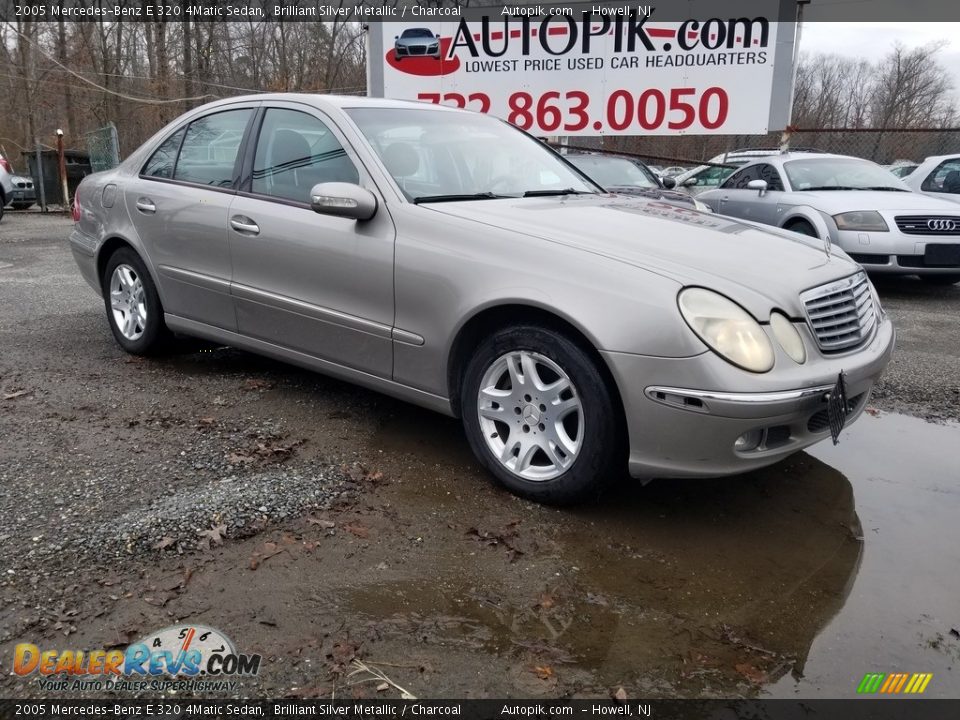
244, 225
146, 206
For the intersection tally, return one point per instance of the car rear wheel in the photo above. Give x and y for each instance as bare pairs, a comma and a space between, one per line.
539, 415
940, 279
133, 306
802, 227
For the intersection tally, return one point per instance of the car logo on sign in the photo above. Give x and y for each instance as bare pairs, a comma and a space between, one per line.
942, 225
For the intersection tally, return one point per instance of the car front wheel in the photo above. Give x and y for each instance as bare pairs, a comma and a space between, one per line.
539, 415
133, 306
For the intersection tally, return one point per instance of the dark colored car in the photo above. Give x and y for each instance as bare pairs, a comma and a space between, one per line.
631, 177
416, 42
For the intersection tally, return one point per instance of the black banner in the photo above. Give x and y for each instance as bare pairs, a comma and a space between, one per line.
341, 709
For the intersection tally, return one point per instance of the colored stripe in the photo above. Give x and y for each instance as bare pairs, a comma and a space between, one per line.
875, 685
912, 684
903, 680
887, 684
926, 681
862, 687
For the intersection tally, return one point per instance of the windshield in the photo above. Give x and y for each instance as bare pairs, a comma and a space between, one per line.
442, 154
613, 172
417, 33
839, 174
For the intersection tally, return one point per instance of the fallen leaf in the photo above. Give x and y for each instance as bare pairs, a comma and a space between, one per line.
215, 533
873, 411
546, 602
165, 542
620, 694
325, 524
205, 422
751, 673
357, 529
269, 550
383, 686
544, 672
18, 393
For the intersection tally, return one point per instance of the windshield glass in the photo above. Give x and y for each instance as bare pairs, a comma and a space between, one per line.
613, 172
434, 153
839, 174
417, 33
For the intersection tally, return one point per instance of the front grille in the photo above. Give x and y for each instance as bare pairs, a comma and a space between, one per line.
928, 224
841, 314
870, 259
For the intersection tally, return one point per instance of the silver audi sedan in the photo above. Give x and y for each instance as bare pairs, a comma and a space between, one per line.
448, 259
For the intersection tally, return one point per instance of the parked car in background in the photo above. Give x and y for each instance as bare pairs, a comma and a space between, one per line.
627, 176
451, 260
672, 171
938, 177
416, 42
852, 202
6, 183
901, 168
23, 195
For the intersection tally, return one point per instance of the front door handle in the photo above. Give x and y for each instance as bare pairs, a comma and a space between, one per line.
244, 225
146, 206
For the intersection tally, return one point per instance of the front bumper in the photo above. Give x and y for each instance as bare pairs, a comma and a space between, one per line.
677, 428
895, 252
417, 51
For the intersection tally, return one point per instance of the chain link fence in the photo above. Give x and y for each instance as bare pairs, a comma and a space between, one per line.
103, 145
881, 145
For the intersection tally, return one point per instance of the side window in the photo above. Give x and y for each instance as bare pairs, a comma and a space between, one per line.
944, 179
739, 180
295, 151
164, 158
209, 152
771, 175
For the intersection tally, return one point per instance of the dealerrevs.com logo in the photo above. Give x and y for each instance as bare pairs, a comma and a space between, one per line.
419, 52
181, 657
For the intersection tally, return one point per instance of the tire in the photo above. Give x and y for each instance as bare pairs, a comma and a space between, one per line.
2, 201
940, 279
550, 456
21, 206
125, 276
802, 227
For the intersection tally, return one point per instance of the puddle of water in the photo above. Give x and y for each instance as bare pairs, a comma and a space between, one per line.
905, 475
776, 577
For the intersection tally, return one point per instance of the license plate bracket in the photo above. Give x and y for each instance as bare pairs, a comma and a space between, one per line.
837, 408
939, 255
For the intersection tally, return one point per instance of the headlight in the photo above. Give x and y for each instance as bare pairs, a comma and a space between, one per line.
702, 207
727, 329
866, 220
788, 337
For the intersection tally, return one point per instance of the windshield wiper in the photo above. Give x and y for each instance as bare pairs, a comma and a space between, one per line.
885, 187
830, 187
550, 193
456, 197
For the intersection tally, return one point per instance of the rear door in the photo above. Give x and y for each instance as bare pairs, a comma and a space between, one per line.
317, 284
179, 206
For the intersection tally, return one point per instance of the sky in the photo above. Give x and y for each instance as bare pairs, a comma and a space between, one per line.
874, 40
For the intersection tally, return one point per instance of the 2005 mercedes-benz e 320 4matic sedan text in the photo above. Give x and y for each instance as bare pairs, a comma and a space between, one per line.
449, 259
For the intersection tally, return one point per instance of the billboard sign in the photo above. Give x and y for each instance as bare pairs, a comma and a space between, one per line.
584, 73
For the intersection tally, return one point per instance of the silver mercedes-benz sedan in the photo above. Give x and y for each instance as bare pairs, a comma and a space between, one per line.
448, 259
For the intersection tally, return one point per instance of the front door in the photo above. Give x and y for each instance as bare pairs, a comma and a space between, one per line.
317, 284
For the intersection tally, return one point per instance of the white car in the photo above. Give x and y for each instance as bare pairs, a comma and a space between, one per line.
937, 176
853, 203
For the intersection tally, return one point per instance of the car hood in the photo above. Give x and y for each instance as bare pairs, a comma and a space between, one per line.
670, 196
837, 201
759, 269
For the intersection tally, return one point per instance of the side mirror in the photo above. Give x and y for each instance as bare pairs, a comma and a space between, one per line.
669, 183
343, 200
396, 37
690, 182
759, 185
438, 36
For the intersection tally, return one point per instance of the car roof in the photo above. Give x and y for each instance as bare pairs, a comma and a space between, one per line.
324, 101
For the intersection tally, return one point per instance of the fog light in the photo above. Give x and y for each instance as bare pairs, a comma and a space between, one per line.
748, 441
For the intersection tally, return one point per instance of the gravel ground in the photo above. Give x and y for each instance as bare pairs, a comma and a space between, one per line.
318, 523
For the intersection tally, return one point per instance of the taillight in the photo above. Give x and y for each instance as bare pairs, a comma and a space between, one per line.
76, 209
5, 164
